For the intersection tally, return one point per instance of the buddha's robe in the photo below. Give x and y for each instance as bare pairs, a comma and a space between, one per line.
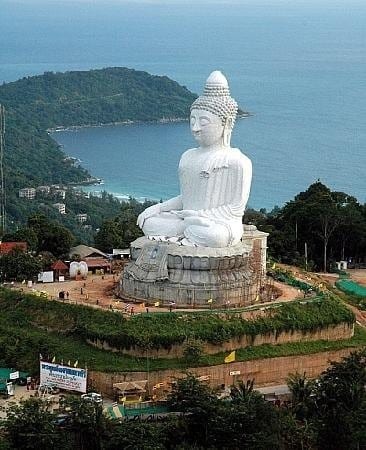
215, 186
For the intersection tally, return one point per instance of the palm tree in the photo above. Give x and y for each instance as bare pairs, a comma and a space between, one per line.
302, 391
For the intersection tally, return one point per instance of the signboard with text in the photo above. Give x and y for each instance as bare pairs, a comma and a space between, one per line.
235, 372
64, 377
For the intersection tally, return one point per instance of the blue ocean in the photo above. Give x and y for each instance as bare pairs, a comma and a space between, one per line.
299, 67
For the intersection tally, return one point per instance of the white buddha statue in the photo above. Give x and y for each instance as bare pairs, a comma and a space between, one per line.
214, 179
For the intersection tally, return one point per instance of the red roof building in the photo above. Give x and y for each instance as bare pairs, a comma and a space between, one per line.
7, 247
59, 265
59, 268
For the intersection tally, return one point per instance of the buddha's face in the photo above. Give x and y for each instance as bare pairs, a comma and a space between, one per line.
206, 128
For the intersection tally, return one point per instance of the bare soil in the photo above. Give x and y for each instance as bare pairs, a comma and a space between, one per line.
98, 291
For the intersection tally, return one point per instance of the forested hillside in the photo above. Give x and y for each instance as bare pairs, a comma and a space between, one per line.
35, 104
97, 96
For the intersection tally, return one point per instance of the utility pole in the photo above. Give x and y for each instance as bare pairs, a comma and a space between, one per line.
296, 234
306, 256
2, 181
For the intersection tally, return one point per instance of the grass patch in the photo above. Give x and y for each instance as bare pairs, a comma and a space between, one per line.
164, 330
30, 325
20, 348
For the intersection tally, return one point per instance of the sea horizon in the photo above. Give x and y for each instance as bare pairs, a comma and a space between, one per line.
297, 67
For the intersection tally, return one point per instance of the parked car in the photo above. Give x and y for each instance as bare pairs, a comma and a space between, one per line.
63, 420
92, 397
51, 389
22, 381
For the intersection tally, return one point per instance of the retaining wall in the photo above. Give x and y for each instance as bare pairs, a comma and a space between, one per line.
271, 371
331, 333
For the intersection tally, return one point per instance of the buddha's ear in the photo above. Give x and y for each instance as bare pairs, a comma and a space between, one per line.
229, 123
227, 131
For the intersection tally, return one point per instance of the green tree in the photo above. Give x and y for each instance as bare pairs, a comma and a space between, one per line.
122, 230
198, 404
108, 236
302, 391
23, 234
320, 218
4, 444
30, 425
19, 266
341, 404
296, 434
142, 435
351, 231
248, 421
51, 236
86, 422
189, 393
193, 350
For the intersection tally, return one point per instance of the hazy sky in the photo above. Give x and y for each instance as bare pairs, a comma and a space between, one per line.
197, 2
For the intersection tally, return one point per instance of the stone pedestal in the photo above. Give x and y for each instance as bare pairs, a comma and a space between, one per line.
192, 276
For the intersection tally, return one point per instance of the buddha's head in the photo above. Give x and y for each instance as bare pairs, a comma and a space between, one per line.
213, 114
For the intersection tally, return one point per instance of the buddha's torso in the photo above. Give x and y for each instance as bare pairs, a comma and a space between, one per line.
210, 178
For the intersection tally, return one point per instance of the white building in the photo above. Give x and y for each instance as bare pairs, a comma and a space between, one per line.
61, 193
61, 207
43, 189
81, 218
28, 193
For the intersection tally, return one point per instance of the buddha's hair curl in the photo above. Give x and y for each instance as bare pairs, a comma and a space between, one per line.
217, 100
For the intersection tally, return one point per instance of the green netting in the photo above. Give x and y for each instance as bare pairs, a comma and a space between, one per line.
290, 280
5, 373
351, 287
158, 409
341, 273
119, 411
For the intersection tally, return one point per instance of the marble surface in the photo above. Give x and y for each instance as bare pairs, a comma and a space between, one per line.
215, 179
190, 276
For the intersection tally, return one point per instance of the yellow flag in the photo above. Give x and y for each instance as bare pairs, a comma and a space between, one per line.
273, 265
257, 298
69, 363
209, 300
76, 363
230, 358
157, 304
54, 359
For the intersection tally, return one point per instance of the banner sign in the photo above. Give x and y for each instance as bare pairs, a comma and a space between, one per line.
14, 375
235, 372
64, 377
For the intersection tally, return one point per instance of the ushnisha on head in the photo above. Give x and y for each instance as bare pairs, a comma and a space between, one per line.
216, 99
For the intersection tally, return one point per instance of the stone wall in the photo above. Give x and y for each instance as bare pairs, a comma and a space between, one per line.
190, 276
338, 332
273, 371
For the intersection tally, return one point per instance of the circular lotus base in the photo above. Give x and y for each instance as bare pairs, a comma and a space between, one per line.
168, 273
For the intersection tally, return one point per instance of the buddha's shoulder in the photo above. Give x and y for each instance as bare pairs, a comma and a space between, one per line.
189, 152
236, 157
186, 156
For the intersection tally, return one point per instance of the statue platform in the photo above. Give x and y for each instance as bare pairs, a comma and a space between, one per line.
193, 276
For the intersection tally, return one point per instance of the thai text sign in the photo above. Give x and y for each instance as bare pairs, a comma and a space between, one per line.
63, 377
